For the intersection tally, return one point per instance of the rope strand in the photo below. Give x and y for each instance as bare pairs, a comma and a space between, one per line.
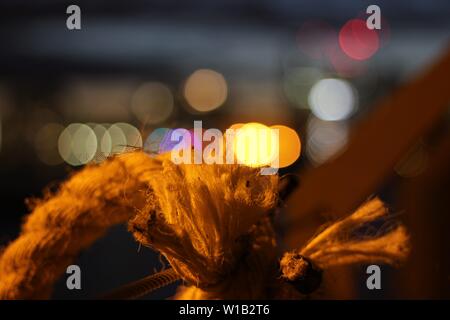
337, 244
63, 224
145, 286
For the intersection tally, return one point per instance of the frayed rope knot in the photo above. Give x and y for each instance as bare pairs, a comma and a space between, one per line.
301, 272
210, 222
340, 244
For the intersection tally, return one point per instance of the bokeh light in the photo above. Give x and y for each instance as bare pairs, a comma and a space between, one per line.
289, 145
152, 102
236, 126
46, 143
80, 143
205, 90
104, 142
325, 140
255, 145
160, 141
346, 66
98, 99
155, 141
358, 41
298, 82
118, 139
166, 143
77, 144
38, 117
231, 143
384, 34
124, 137
332, 99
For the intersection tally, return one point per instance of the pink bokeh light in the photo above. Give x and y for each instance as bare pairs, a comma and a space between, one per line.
357, 41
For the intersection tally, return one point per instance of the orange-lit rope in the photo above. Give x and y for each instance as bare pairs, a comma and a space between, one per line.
337, 245
62, 225
211, 223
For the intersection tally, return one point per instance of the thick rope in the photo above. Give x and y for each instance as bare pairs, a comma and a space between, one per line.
69, 221
210, 222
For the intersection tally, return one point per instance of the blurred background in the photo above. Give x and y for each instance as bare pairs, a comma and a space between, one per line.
68, 98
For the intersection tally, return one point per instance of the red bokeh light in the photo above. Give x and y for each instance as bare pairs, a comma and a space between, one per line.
344, 65
357, 41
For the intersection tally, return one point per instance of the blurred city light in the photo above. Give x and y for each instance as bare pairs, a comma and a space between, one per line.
118, 139
332, 99
159, 141
255, 145
77, 144
96, 99
358, 41
236, 126
289, 145
39, 116
104, 142
46, 143
344, 65
155, 140
298, 82
205, 90
152, 103
325, 139
124, 137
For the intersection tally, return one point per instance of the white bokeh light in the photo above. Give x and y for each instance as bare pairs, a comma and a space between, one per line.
124, 136
325, 140
332, 99
77, 144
